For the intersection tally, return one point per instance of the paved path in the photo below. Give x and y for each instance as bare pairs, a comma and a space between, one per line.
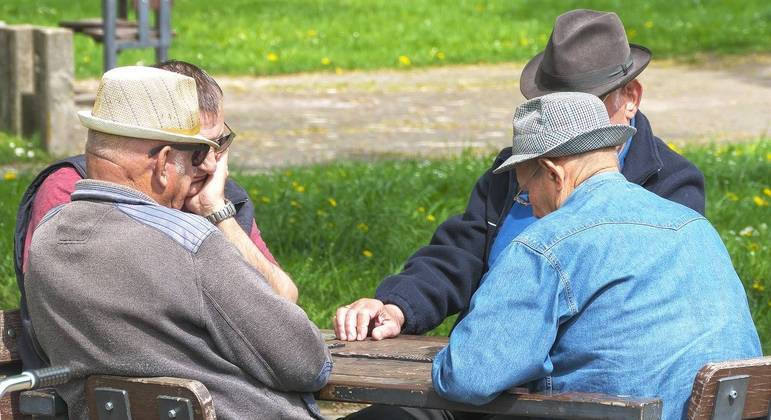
306, 118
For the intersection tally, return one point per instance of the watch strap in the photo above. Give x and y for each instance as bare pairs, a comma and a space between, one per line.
226, 212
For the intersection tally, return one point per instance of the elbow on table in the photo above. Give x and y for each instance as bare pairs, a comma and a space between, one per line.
458, 387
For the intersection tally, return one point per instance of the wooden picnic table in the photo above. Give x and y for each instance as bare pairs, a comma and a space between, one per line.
397, 371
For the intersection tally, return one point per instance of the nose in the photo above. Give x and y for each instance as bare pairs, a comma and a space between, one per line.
209, 164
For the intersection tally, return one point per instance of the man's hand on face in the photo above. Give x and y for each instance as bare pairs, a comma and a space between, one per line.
354, 321
211, 197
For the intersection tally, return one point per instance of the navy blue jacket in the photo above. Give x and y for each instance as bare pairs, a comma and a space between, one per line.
440, 278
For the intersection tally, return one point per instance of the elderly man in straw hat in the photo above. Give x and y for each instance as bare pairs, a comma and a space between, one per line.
121, 282
612, 290
55, 183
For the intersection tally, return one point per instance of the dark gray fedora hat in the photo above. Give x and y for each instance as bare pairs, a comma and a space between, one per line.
587, 52
562, 124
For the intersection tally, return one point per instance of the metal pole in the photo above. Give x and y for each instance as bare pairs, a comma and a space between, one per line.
109, 23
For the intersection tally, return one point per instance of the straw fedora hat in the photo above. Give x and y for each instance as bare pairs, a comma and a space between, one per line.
146, 103
562, 124
587, 52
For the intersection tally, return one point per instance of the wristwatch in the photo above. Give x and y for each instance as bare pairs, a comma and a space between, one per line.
228, 211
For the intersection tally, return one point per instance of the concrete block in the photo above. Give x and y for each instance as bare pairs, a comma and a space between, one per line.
16, 76
55, 96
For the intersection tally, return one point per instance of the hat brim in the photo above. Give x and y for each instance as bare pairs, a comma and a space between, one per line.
598, 138
528, 81
146, 133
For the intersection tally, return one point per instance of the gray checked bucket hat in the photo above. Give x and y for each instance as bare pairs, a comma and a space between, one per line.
562, 124
588, 51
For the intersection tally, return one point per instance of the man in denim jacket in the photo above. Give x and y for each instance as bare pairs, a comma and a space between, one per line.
572, 304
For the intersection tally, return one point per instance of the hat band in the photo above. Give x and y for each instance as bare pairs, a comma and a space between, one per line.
586, 80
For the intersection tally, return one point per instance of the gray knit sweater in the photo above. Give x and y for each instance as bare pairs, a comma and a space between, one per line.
119, 285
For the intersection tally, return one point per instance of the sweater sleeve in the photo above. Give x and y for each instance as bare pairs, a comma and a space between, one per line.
439, 279
267, 336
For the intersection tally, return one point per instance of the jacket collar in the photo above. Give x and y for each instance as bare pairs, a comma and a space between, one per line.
643, 159
91, 189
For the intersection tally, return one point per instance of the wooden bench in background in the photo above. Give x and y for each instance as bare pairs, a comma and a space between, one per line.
398, 372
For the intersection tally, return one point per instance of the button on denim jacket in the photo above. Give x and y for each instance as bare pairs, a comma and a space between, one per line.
619, 291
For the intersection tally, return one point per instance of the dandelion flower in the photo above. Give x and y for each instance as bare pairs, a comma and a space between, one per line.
648, 24
272, 57
332, 202
674, 148
431, 218
362, 227
753, 247
367, 253
768, 156
767, 191
294, 204
440, 55
747, 232
265, 199
760, 201
311, 33
326, 61
731, 196
404, 60
421, 209
757, 286
9, 175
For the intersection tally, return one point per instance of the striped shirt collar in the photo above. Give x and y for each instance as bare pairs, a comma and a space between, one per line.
92, 189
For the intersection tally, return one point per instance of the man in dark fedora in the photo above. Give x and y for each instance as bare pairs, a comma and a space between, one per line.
588, 52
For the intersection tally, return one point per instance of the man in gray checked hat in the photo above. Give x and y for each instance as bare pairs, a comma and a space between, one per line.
573, 303
588, 52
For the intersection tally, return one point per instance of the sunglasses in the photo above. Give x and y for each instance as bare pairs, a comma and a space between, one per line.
199, 150
224, 141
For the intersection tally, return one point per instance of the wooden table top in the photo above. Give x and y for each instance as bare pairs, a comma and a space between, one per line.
397, 371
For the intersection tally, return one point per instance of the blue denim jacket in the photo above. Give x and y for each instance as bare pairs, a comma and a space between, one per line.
619, 291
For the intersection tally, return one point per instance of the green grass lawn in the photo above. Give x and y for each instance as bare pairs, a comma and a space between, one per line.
340, 228
268, 37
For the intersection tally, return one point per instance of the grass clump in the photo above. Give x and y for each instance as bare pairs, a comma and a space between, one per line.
257, 38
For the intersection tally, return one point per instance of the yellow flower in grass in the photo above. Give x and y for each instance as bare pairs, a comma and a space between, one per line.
404, 60
326, 61
768, 156
9, 175
298, 187
311, 33
767, 191
648, 24
753, 247
674, 148
272, 57
421, 209
332, 202
295, 204
731, 196
440, 55
758, 287
431, 218
367, 253
760, 201
362, 227
265, 199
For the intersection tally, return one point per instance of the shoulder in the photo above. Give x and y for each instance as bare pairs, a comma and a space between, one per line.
60, 181
186, 229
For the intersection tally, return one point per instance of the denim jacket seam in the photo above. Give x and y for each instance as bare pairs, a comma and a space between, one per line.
555, 265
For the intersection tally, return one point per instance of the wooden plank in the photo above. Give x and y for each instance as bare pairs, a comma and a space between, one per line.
80, 25
402, 349
408, 383
10, 328
757, 403
143, 394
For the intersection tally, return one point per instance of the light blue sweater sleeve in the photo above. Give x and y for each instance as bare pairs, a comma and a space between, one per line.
505, 339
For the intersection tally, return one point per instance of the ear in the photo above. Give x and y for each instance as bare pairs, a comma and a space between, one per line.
161, 173
632, 94
554, 172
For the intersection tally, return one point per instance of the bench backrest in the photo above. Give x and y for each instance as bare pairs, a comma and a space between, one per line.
738, 389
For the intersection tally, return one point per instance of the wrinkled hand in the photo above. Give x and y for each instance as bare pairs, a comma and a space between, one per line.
354, 321
211, 197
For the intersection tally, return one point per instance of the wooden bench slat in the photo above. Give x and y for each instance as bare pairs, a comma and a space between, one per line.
705, 387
